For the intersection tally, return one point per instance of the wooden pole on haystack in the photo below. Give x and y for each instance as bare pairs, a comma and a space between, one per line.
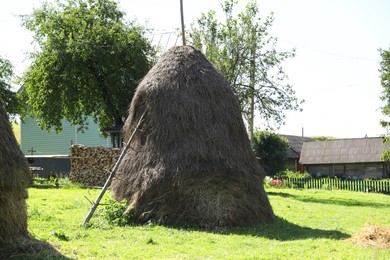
113, 172
182, 23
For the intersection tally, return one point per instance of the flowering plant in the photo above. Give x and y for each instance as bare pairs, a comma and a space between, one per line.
276, 183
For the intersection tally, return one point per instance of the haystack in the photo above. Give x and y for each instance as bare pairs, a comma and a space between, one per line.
191, 162
372, 235
14, 179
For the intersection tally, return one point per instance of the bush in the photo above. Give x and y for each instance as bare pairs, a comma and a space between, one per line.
115, 213
291, 174
271, 151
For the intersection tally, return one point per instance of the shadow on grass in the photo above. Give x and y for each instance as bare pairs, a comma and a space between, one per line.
31, 248
283, 230
332, 201
279, 229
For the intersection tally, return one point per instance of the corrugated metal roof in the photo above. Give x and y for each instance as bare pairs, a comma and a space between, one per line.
343, 151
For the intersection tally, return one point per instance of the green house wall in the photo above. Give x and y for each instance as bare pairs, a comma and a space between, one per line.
51, 143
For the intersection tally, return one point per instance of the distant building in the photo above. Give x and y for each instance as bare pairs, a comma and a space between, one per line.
294, 151
346, 158
50, 150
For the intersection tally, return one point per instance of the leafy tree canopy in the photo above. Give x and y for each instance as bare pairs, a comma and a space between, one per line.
7, 96
242, 49
323, 138
88, 62
271, 150
385, 81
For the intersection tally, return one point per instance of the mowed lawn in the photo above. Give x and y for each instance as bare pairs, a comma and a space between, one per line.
311, 224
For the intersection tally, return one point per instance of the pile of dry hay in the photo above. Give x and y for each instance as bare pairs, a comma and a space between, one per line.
14, 180
191, 162
372, 235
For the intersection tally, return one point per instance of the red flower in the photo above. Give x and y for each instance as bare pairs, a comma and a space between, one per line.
276, 183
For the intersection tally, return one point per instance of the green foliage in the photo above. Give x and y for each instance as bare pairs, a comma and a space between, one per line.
291, 174
62, 182
114, 213
7, 96
323, 138
60, 234
88, 62
66, 183
385, 97
385, 81
311, 224
271, 149
242, 49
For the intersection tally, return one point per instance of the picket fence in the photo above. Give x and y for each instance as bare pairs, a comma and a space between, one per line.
382, 186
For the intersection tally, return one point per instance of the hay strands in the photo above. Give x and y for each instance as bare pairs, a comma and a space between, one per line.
113, 172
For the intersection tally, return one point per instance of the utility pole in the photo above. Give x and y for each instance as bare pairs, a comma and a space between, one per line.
183, 34
252, 79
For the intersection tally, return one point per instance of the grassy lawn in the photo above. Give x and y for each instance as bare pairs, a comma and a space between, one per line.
311, 224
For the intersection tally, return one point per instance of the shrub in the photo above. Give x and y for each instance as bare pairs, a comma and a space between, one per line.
115, 213
271, 150
291, 174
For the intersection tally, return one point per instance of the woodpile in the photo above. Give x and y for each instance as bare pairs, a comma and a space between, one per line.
91, 166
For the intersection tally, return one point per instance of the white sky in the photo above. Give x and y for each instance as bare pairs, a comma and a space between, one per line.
335, 69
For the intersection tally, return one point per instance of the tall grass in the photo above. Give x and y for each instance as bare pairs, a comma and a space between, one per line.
311, 224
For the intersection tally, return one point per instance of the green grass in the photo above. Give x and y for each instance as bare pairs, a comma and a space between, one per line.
311, 224
16, 129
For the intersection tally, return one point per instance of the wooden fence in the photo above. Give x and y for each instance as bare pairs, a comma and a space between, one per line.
382, 186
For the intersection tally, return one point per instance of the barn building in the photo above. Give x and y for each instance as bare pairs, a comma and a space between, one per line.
346, 158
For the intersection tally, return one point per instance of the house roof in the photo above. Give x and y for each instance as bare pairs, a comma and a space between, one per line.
295, 145
343, 151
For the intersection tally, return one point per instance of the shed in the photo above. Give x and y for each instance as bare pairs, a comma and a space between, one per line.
295, 144
359, 158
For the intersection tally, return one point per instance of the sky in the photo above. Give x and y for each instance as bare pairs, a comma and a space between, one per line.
335, 69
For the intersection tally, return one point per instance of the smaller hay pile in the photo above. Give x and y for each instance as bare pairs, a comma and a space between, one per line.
372, 235
14, 180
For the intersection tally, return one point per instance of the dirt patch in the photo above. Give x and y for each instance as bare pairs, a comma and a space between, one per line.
372, 235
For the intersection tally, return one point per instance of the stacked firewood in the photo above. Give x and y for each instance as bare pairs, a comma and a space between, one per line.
91, 166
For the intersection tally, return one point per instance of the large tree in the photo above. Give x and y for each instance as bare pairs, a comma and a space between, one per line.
7, 95
271, 151
88, 62
385, 81
242, 49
